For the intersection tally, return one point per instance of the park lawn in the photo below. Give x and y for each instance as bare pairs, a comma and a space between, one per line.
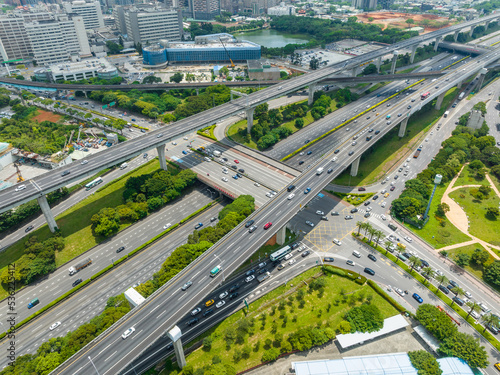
391, 149
314, 313
75, 223
469, 249
433, 232
480, 226
495, 179
466, 178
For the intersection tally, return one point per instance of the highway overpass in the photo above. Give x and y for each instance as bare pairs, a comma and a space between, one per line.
239, 244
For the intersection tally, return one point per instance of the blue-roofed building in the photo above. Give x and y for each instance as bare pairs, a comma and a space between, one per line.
383, 364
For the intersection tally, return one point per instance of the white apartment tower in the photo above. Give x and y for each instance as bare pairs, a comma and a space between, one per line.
58, 40
90, 11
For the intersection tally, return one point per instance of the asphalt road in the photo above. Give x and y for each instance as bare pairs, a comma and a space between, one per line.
91, 300
59, 282
114, 155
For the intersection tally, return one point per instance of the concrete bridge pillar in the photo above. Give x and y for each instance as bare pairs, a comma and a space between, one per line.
355, 167
250, 112
312, 89
413, 52
472, 28
379, 63
436, 43
402, 127
198, 93
175, 335
455, 36
487, 23
394, 61
481, 79
49, 217
353, 71
459, 84
439, 101
161, 157
281, 236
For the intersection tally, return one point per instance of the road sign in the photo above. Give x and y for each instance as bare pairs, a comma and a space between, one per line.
104, 106
246, 303
112, 104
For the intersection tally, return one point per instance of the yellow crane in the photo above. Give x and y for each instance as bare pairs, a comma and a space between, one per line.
19, 175
227, 53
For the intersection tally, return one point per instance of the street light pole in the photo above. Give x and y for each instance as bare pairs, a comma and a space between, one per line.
215, 255
90, 359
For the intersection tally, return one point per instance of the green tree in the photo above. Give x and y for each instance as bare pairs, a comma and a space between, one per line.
410, 21
370, 69
151, 79
473, 306
492, 213
314, 63
113, 47
462, 259
425, 363
466, 347
414, 262
490, 320
177, 77
428, 273
480, 257
299, 123
441, 279
491, 273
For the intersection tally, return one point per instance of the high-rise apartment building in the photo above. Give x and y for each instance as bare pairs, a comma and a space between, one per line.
148, 25
203, 9
58, 40
364, 4
14, 43
90, 11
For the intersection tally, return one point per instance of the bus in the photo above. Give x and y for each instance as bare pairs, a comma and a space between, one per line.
277, 255
425, 95
215, 271
91, 184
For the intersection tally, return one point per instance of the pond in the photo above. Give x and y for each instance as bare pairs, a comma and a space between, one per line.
272, 38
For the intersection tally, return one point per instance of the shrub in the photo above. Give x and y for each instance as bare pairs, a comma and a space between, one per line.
365, 318
270, 355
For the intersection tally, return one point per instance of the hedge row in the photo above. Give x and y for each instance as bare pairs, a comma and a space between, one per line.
479, 328
354, 276
348, 121
104, 115
126, 175
385, 296
104, 270
210, 134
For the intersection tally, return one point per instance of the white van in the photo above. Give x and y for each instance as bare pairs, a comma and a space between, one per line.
207, 159
357, 254
123, 166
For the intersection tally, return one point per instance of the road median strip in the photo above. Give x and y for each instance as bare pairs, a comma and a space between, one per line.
106, 269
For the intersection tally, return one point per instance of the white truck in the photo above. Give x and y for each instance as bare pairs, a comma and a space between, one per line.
461, 96
217, 153
446, 114
77, 267
319, 170
123, 166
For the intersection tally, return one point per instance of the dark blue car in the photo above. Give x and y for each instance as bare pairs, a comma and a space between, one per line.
417, 298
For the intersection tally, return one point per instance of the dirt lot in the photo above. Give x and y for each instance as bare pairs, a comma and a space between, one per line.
399, 19
46, 116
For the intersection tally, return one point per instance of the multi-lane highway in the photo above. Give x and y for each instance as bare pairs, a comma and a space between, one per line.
232, 249
53, 180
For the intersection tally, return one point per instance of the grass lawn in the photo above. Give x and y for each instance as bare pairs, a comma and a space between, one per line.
324, 312
75, 223
480, 226
234, 130
389, 150
469, 249
467, 178
495, 179
433, 232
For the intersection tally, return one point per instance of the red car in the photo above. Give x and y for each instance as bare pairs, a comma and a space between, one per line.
361, 189
268, 225
236, 161
393, 187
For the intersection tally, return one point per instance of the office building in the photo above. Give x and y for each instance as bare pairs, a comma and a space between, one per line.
75, 71
206, 49
203, 9
58, 40
364, 4
14, 42
149, 25
90, 11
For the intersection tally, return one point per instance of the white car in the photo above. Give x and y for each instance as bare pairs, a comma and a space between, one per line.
257, 184
292, 261
128, 332
185, 138
291, 196
383, 191
337, 242
383, 217
321, 213
225, 179
196, 311
20, 187
54, 326
225, 171
439, 272
84, 162
408, 239
368, 209
468, 295
220, 304
334, 159
302, 153
392, 237
269, 195
400, 292
250, 278
288, 256
174, 143
383, 204
309, 223
223, 295
166, 226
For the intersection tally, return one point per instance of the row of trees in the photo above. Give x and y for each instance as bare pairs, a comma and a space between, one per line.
56, 350
452, 342
199, 242
465, 145
142, 195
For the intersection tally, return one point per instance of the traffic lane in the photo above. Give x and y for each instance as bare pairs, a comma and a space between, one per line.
104, 254
90, 301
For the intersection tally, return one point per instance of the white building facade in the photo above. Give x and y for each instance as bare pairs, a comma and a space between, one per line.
90, 11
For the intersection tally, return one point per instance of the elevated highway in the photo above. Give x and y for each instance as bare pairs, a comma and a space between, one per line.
112, 355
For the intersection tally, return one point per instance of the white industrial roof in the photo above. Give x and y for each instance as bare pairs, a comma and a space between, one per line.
391, 324
454, 366
385, 364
